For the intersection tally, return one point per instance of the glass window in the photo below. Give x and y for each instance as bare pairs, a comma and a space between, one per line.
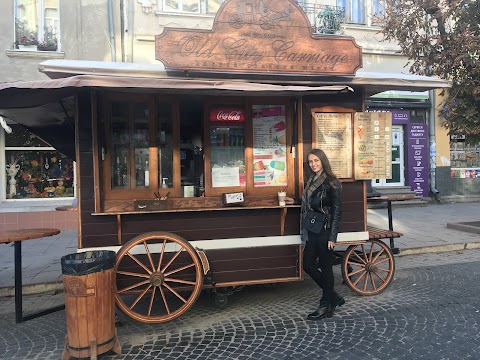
192, 6
120, 142
165, 144
269, 145
354, 10
36, 23
227, 141
213, 6
189, 6
34, 169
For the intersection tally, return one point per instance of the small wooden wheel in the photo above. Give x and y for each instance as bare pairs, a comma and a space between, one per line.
236, 21
368, 268
158, 277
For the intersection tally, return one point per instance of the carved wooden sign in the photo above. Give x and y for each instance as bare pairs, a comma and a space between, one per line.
259, 36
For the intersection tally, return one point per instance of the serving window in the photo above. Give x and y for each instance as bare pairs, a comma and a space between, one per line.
190, 146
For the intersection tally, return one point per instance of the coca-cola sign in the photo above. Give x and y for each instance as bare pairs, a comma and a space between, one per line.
227, 115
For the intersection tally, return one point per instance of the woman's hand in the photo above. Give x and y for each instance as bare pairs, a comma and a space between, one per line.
331, 245
289, 200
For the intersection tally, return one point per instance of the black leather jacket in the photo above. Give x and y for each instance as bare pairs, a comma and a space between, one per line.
331, 199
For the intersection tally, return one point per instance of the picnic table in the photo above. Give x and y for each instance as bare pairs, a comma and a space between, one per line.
17, 236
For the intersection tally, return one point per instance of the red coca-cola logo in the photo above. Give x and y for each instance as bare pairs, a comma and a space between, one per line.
231, 115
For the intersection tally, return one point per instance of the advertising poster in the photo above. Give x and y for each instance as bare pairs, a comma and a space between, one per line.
373, 145
418, 159
333, 134
269, 145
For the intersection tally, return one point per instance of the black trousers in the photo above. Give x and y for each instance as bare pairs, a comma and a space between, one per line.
317, 248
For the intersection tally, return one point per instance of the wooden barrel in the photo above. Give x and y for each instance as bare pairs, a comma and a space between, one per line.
90, 311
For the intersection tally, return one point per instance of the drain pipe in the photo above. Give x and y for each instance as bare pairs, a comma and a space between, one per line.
433, 147
111, 31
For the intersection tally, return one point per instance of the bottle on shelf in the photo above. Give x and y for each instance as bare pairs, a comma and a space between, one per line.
147, 174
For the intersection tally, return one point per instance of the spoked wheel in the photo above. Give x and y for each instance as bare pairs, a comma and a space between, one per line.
158, 276
368, 268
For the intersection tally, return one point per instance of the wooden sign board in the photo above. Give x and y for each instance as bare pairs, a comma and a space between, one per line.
258, 37
371, 136
373, 145
332, 132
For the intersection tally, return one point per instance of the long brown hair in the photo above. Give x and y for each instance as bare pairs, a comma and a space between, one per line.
327, 168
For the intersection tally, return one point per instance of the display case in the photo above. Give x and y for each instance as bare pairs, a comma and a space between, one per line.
227, 155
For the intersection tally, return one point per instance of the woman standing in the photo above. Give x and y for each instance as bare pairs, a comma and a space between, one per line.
322, 195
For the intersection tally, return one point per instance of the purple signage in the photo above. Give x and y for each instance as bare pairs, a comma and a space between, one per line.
418, 159
400, 117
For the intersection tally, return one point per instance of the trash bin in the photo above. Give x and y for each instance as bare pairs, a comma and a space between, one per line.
89, 282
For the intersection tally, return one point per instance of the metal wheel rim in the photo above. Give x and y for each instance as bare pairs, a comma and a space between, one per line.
372, 267
157, 277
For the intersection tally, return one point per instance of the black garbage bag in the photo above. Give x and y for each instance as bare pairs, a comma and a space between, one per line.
88, 262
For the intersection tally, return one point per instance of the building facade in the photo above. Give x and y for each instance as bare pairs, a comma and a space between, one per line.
124, 31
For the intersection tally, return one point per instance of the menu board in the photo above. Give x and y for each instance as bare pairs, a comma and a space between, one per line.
269, 145
333, 134
373, 145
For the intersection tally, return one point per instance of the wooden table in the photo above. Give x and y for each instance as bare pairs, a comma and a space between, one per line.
17, 236
388, 200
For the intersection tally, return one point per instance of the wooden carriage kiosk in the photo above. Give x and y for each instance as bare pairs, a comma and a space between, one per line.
179, 163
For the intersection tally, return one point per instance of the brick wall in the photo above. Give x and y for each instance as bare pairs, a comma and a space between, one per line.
63, 220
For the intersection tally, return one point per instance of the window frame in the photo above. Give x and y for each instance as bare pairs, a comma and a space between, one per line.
40, 20
202, 8
110, 195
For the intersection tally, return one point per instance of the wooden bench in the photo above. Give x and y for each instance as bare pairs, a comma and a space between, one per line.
376, 233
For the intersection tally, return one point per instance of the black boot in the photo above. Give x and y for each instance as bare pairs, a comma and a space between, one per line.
336, 300
325, 310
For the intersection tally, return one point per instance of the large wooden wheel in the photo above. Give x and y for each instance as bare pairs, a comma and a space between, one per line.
368, 268
158, 277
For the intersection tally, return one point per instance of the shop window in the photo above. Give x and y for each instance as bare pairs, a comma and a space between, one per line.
226, 128
36, 24
129, 143
269, 145
165, 144
464, 158
190, 146
34, 168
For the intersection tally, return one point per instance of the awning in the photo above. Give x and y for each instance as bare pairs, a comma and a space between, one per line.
36, 93
370, 82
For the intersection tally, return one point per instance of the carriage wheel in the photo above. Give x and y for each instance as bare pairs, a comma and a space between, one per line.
266, 23
368, 268
158, 277
236, 21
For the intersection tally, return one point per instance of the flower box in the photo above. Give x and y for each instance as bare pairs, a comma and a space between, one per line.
47, 48
27, 47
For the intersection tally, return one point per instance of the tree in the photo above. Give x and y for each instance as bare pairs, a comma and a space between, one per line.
442, 38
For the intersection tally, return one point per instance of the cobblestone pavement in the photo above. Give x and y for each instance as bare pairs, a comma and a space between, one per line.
430, 311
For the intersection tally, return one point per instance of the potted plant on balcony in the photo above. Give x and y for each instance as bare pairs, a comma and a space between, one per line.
27, 43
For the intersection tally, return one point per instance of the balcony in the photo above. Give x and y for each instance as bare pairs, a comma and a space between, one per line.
325, 19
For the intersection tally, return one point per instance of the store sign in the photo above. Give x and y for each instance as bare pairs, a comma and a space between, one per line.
400, 117
418, 159
227, 115
257, 36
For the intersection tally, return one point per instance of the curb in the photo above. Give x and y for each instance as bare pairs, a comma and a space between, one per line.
33, 289
58, 286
